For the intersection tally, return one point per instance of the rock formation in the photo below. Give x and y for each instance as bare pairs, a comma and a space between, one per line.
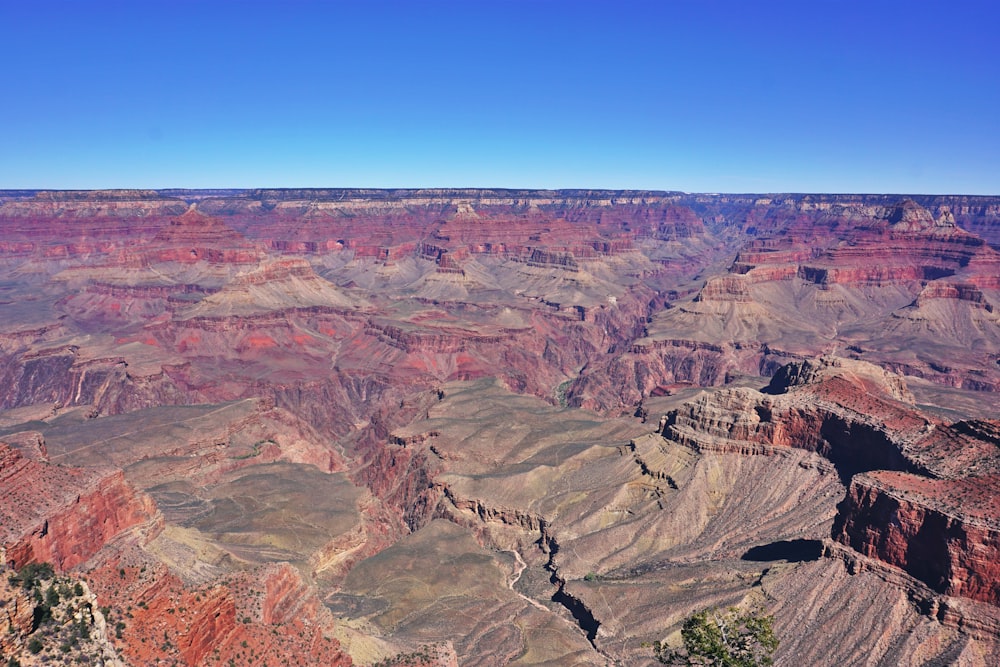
923, 493
423, 427
63, 516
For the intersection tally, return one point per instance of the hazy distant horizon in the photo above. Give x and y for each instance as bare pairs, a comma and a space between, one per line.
514, 191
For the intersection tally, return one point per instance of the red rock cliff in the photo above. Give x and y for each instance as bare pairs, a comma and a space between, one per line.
62, 515
944, 532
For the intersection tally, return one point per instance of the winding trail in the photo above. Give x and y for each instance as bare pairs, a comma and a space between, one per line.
522, 566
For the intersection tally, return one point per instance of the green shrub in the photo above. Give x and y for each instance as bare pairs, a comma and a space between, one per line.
32, 573
723, 638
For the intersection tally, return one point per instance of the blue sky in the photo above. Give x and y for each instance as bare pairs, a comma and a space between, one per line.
701, 96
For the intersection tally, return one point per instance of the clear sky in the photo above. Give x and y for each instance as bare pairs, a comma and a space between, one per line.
694, 95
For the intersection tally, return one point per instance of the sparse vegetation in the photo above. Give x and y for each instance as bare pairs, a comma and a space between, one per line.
29, 576
51, 596
723, 638
61, 629
255, 450
561, 392
422, 654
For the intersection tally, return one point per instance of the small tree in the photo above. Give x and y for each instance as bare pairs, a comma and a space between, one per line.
35, 645
51, 596
723, 638
31, 575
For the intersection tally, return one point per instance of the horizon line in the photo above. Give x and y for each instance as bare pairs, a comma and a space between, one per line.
361, 189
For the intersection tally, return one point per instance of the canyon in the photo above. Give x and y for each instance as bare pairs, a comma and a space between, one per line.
492, 427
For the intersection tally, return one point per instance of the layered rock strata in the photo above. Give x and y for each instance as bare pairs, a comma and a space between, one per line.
922, 493
63, 515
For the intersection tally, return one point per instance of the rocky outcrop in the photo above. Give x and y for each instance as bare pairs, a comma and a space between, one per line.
922, 494
16, 615
194, 237
29, 444
909, 216
429, 340
484, 513
853, 413
871, 379
65, 377
556, 259
725, 288
62, 515
945, 533
960, 291
266, 615
652, 365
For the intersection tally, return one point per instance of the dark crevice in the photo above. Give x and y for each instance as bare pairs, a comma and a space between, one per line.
578, 610
548, 544
583, 616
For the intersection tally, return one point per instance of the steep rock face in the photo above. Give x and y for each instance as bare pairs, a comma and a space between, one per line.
827, 611
16, 615
63, 377
64, 516
924, 497
726, 288
855, 414
831, 418
29, 444
265, 615
402, 477
943, 532
961, 291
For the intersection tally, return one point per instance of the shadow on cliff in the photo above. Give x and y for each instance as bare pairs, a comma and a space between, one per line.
793, 551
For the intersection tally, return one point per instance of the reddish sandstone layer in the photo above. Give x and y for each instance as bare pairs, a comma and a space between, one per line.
944, 532
866, 246
266, 615
63, 515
